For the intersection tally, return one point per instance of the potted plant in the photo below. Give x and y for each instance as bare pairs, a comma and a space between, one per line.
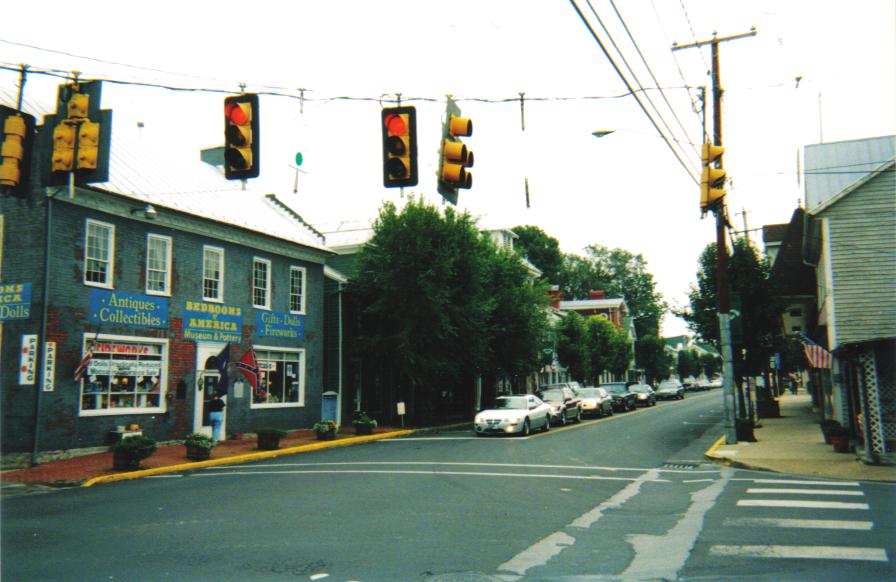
839, 436
269, 438
325, 430
129, 451
363, 424
199, 446
826, 426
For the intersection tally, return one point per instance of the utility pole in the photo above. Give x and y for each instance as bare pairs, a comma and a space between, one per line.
743, 212
721, 247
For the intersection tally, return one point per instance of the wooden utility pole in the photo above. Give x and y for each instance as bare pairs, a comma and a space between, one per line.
721, 247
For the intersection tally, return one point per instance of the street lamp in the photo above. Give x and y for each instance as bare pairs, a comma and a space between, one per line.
602, 132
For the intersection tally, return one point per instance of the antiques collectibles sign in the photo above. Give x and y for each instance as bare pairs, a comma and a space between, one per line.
130, 309
279, 324
15, 301
212, 322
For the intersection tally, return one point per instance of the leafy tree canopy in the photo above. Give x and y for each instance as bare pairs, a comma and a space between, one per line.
542, 250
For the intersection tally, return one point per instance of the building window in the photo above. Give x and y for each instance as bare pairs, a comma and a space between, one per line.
158, 265
261, 284
796, 312
297, 289
100, 245
281, 378
213, 274
123, 376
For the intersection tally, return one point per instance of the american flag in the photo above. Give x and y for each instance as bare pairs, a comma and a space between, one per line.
818, 356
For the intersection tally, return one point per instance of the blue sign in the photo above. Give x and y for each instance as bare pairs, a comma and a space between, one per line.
15, 301
279, 324
117, 308
213, 322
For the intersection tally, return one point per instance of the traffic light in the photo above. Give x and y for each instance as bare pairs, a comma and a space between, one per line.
712, 180
454, 155
17, 145
241, 137
399, 128
79, 136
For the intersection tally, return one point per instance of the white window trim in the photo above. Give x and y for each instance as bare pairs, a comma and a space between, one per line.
304, 272
220, 298
267, 290
302, 364
163, 378
167, 291
110, 274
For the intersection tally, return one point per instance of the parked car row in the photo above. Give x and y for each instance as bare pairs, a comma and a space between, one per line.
565, 402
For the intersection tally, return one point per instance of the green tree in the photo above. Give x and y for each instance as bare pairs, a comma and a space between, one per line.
688, 364
572, 346
620, 355
578, 276
710, 365
653, 358
600, 334
542, 251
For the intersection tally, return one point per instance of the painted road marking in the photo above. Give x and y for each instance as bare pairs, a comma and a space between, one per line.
761, 490
799, 523
430, 473
807, 552
459, 464
801, 504
798, 482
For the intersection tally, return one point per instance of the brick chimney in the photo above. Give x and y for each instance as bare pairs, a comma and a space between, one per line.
597, 295
556, 296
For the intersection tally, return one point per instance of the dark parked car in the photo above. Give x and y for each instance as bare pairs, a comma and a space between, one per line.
670, 390
644, 393
596, 401
564, 404
622, 399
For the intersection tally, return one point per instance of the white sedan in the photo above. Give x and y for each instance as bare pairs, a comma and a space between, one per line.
514, 414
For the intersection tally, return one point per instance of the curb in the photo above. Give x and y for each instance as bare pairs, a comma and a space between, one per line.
711, 451
246, 457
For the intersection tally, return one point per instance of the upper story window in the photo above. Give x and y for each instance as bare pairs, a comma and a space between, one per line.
99, 255
261, 283
796, 312
158, 265
297, 289
213, 274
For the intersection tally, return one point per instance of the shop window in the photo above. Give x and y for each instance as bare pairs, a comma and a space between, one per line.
123, 377
261, 283
158, 265
297, 290
212, 274
99, 252
281, 378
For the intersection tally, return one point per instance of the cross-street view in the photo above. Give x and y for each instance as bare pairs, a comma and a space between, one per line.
503, 291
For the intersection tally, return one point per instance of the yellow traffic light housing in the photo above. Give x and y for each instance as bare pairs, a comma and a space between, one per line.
399, 129
241, 137
15, 150
712, 179
63, 147
455, 157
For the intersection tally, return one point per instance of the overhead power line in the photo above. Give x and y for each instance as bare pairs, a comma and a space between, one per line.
687, 168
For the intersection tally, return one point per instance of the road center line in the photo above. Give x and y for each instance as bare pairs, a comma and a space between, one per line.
808, 552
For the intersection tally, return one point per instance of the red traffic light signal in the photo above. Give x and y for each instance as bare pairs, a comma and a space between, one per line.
399, 129
241, 135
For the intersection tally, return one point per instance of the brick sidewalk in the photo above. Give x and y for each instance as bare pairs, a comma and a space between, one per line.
77, 470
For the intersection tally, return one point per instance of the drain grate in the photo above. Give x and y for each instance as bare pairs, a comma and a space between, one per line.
681, 465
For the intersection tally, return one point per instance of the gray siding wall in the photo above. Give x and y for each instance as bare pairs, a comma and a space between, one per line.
863, 260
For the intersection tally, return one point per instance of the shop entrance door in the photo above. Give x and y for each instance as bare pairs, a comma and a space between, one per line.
207, 378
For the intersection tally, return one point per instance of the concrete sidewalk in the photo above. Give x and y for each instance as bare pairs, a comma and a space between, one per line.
794, 444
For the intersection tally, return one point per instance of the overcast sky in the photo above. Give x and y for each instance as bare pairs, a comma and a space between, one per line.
816, 71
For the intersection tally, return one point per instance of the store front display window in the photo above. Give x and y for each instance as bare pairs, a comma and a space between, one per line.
123, 377
281, 378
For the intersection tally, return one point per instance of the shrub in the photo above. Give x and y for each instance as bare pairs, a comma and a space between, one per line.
199, 441
324, 426
362, 418
139, 447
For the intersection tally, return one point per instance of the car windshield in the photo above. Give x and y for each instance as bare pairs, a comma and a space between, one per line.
614, 388
511, 403
552, 395
588, 393
668, 385
639, 388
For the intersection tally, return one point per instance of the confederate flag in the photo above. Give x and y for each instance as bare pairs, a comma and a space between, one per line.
82, 367
248, 365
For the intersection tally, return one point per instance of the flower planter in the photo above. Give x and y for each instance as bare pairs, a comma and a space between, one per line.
195, 453
841, 443
125, 461
364, 428
268, 441
325, 435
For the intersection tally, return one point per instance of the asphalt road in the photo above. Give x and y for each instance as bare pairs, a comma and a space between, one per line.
626, 497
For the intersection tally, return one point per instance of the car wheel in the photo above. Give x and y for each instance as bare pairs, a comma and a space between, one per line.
563, 418
578, 415
610, 412
526, 429
547, 423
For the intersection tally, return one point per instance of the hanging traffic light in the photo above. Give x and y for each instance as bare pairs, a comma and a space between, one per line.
241, 137
399, 128
15, 150
712, 180
454, 155
79, 136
